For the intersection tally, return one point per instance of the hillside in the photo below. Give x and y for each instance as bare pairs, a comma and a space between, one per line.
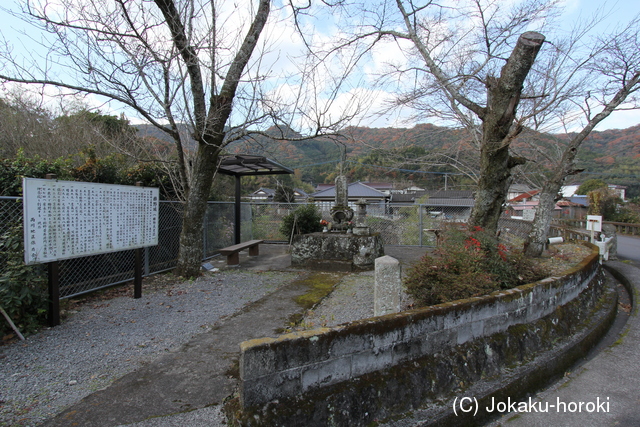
613, 155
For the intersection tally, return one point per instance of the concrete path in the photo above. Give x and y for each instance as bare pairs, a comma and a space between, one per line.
605, 391
198, 375
629, 248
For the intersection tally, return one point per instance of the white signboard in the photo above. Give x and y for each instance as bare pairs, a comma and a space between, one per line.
67, 219
528, 214
594, 223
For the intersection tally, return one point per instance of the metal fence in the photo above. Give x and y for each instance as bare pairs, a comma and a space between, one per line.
398, 225
85, 274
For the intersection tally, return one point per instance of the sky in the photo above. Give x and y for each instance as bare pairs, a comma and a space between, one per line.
615, 12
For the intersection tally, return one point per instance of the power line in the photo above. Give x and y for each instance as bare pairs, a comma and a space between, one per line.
378, 167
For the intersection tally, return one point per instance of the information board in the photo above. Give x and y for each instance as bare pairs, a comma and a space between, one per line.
68, 219
594, 223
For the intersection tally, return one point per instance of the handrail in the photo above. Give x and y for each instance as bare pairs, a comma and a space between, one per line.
621, 227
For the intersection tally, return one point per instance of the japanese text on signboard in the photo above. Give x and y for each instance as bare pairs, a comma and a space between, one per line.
66, 219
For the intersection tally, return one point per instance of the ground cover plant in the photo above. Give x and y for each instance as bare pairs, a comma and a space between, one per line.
468, 262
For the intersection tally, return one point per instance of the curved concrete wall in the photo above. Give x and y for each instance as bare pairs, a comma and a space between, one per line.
409, 350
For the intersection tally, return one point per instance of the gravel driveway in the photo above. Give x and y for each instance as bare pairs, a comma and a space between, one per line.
103, 339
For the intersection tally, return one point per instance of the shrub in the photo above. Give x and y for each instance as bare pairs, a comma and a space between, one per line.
12, 171
23, 288
467, 263
304, 219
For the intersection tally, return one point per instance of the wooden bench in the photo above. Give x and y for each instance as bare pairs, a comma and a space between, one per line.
232, 251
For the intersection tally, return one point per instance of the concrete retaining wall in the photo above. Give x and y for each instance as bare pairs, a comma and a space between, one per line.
412, 349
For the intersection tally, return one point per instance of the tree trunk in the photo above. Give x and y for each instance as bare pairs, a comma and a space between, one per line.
209, 128
191, 251
503, 96
540, 228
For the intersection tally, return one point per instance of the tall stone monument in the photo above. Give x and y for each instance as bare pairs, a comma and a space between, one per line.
339, 250
341, 212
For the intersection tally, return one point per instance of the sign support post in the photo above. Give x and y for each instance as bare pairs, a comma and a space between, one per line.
68, 219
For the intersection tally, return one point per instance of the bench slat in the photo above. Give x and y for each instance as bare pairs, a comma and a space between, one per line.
232, 251
240, 246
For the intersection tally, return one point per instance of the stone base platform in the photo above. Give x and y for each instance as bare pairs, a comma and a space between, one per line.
336, 251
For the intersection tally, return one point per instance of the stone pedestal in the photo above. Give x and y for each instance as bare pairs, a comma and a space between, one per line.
361, 228
336, 251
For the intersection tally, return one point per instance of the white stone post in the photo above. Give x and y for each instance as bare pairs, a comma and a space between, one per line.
388, 286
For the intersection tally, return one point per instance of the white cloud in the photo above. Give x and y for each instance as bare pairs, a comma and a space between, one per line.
620, 120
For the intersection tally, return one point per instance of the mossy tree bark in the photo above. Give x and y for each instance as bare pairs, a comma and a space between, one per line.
498, 130
497, 116
549, 195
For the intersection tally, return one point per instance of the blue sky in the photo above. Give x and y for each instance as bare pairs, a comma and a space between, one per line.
620, 11
615, 12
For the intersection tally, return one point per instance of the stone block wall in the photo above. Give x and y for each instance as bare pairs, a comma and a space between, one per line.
336, 251
411, 349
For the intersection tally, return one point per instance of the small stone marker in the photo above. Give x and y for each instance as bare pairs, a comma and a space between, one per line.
388, 286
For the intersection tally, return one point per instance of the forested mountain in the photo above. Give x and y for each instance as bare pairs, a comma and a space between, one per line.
374, 153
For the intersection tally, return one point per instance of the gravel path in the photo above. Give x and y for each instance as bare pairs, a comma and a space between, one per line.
102, 340
352, 299
357, 289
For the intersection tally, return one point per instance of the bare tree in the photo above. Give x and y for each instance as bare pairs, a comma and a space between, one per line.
179, 64
477, 64
609, 77
469, 63
24, 125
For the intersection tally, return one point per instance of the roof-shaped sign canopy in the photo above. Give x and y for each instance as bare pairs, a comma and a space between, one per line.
247, 164
240, 165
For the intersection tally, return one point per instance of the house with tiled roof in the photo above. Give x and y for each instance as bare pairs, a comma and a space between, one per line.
325, 199
262, 195
268, 194
454, 205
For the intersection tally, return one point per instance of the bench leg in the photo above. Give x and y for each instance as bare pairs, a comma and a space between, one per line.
254, 250
233, 259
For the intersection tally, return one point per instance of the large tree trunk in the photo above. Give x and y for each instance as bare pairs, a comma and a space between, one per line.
191, 241
503, 96
540, 228
209, 130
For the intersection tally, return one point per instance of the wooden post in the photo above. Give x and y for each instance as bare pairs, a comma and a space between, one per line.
137, 277
53, 270
237, 233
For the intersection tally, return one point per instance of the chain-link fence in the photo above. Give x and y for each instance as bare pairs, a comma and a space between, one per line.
513, 232
397, 224
85, 274
10, 224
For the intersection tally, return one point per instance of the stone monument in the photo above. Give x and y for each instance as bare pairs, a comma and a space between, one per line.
339, 249
341, 212
361, 228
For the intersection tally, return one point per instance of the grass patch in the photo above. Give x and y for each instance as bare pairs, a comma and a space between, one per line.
319, 285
